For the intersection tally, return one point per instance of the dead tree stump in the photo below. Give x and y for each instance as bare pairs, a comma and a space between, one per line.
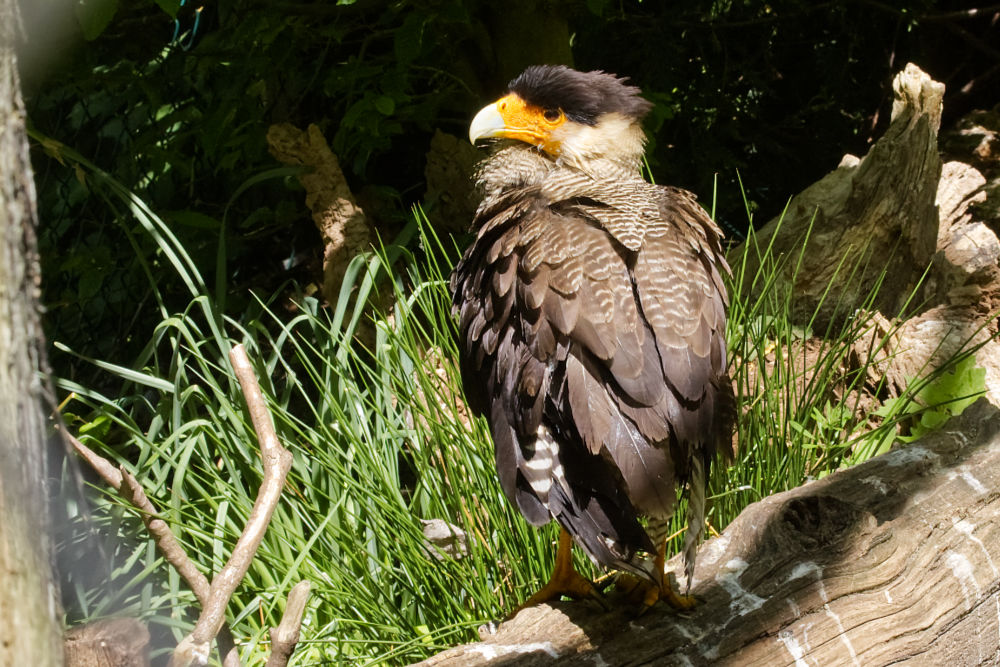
897, 211
894, 560
880, 208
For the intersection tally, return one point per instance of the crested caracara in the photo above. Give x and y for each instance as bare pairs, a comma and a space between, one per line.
592, 321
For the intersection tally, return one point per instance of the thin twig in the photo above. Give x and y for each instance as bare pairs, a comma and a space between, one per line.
971, 40
961, 13
168, 544
131, 490
194, 648
978, 81
810, 9
101, 465
286, 635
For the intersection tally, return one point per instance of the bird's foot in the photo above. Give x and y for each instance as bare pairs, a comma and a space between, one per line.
644, 593
565, 580
569, 583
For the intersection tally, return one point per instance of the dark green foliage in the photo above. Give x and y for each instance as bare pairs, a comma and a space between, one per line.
175, 103
186, 129
779, 90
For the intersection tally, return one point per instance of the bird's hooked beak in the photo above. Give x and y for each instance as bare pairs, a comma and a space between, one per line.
487, 124
511, 117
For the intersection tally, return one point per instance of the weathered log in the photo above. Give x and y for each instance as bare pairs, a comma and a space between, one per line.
897, 210
110, 642
960, 293
894, 560
345, 229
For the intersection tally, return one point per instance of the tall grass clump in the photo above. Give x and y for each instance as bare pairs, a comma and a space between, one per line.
369, 403
367, 396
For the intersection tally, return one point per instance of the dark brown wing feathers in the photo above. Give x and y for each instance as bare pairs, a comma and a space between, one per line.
592, 315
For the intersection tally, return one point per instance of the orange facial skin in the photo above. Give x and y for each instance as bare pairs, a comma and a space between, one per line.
526, 122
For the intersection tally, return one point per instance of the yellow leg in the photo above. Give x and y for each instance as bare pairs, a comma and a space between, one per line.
645, 593
565, 580
665, 591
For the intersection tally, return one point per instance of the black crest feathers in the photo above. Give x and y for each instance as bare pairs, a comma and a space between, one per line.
582, 96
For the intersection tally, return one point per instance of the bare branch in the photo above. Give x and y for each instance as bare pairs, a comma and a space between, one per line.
971, 40
131, 490
194, 649
166, 542
962, 13
101, 465
286, 635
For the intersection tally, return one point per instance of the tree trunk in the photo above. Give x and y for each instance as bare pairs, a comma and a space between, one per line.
894, 560
28, 591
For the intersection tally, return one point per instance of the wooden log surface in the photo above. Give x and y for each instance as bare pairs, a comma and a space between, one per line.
109, 642
894, 561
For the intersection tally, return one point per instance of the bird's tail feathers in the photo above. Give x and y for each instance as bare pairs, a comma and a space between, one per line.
697, 487
658, 527
600, 535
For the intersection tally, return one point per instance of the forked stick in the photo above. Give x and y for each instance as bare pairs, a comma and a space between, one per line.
194, 648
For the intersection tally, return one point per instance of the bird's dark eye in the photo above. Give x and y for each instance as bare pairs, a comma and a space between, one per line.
552, 115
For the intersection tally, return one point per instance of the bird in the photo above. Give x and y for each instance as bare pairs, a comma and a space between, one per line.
591, 310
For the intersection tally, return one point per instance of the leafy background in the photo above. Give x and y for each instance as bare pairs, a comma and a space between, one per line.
776, 92
148, 120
